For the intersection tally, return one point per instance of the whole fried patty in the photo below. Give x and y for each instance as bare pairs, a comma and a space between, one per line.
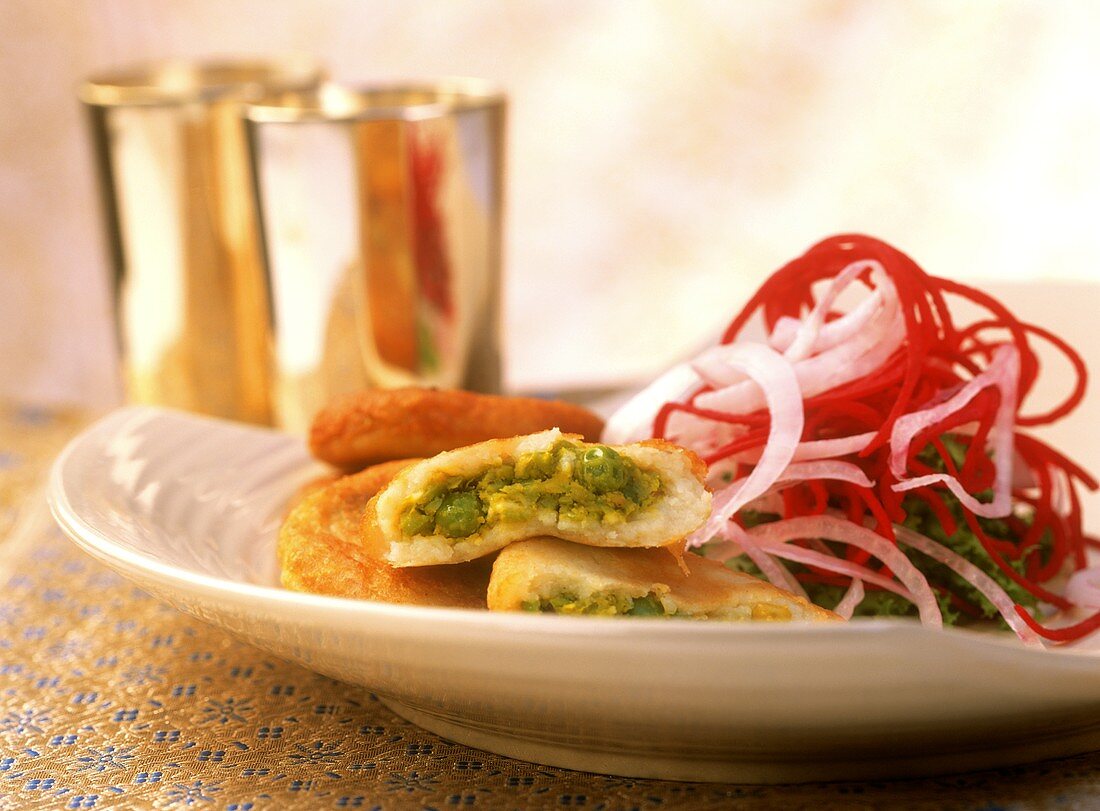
382, 424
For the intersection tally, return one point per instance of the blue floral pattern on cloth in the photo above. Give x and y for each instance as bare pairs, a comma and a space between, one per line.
112, 699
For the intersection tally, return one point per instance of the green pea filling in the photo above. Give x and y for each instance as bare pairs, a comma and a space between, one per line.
594, 485
606, 605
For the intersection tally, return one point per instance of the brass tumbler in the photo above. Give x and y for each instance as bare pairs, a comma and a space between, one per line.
381, 220
188, 286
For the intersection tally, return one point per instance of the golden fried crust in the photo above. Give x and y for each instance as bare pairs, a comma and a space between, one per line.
320, 551
698, 466
370, 534
381, 424
309, 488
542, 568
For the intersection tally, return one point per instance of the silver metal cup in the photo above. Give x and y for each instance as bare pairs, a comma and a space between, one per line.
381, 218
190, 302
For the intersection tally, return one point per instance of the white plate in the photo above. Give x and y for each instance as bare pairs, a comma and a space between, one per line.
188, 507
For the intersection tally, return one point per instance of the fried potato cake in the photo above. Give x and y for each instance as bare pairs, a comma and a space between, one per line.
554, 576
320, 552
381, 424
466, 503
315, 485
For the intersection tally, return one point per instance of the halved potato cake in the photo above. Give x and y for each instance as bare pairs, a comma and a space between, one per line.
469, 502
554, 576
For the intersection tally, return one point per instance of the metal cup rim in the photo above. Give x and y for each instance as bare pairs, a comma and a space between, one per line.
172, 82
377, 101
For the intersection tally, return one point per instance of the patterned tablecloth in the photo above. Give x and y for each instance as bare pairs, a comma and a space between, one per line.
111, 699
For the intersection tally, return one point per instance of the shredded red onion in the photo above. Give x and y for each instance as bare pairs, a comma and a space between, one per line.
907, 372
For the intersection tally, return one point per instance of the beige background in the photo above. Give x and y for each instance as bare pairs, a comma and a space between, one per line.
664, 155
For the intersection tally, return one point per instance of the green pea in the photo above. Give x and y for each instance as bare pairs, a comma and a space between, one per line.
601, 470
562, 602
535, 465
648, 606
415, 523
459, 515
641, 486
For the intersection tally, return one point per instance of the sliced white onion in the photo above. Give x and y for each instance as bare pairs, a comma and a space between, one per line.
819, 448
818, 357
832, 563
782, 334
633, 420
827, 355
833, 469
1083, 587
1061, 491
828, 335
1023, 477
770, 502
702, 435
851, 599
713, 366
849, 361
827, 448
1003, 372
838, 529
806, 339
985, 584
838, 364
832, 333
775, 572
775, 377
